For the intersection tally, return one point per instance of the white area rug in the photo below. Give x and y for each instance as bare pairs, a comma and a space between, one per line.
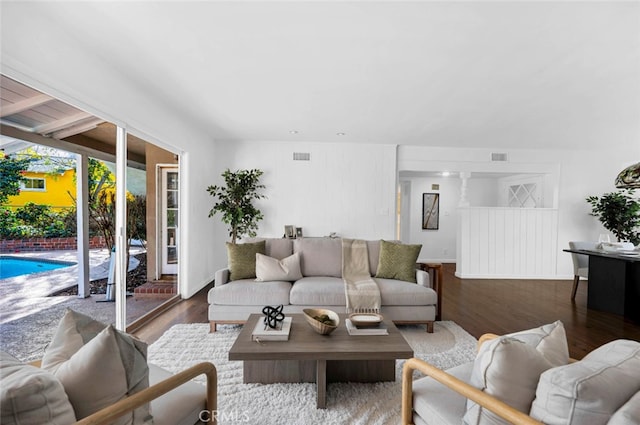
295, 404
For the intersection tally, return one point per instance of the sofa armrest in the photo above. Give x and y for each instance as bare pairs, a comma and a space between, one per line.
128, 404
485, 400
436, 282
221, 277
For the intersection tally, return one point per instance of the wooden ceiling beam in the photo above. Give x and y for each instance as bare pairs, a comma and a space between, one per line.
23, 105
76, 144
62, 123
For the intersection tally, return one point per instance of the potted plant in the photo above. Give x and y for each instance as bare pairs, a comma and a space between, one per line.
235, 202
619, 212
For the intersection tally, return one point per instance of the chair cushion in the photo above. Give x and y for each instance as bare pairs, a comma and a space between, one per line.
180, 406
434, 403
629, 413
509, 368
242, 259
80, 358
268, 268
318, 291
319, 256
398, 261
591, 390
30, 395
250, 292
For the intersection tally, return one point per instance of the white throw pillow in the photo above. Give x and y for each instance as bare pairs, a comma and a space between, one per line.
509, 368
97, 370
30, 395
591, 390
268, 269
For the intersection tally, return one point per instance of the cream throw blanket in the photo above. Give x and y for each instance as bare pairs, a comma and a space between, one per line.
363, 295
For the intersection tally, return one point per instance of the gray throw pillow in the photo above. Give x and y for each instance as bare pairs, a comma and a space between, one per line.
398, 261
242, 259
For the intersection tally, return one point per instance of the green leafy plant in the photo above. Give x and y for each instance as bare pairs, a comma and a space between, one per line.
235, 202
619, 212
11, 174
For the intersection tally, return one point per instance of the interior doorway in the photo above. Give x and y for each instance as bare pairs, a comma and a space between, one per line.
168, 218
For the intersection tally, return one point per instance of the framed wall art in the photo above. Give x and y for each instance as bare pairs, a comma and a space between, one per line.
430, 211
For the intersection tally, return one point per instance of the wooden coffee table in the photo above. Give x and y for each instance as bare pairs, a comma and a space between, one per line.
310, 357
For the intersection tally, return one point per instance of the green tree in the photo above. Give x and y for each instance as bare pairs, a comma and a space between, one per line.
11, 174
619, 212
235, 202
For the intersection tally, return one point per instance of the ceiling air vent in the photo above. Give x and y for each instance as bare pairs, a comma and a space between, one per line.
301, 156
498, 156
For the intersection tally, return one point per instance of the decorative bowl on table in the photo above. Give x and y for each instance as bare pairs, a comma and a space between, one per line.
365, 320
322, 320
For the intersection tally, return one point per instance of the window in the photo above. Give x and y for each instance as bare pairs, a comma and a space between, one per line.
523, 196
33, 185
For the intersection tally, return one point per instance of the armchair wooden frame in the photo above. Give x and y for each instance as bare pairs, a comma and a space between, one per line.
483, 399
128, 404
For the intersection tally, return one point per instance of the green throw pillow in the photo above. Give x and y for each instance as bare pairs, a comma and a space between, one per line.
242, 259
398, 261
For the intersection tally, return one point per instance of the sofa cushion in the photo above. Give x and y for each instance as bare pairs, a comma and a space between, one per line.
30, 395
250, 292
509, 368
79, 358
439, 404
268, 268
275, 247
319, 256
398, 261
400, 292
318, 291
591, 390
629, 413
242, 259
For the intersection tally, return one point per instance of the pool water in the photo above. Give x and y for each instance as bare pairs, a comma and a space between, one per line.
14, 266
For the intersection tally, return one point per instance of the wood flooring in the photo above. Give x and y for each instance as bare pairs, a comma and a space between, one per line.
479, 306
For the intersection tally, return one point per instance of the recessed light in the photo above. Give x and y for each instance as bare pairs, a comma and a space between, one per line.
294, 132
341, 134
446, 174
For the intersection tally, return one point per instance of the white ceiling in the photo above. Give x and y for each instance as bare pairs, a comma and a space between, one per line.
464, 74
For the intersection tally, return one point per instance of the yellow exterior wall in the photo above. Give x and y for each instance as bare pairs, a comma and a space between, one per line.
56, 193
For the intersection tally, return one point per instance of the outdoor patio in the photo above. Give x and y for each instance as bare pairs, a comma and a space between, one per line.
29, 314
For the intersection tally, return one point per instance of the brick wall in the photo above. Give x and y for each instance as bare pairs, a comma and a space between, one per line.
46, 244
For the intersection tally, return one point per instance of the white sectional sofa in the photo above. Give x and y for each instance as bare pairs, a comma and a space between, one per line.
321, 285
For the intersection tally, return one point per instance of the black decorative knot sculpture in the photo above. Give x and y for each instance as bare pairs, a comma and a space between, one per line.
273, 315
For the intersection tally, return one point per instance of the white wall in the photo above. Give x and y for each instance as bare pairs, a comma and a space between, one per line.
578, 174
440, 245
37, 53
345, 188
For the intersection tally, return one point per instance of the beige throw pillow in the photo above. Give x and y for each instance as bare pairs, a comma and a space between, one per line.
109, 366
509, 368
398, 261
268, 269
591, 390
30, 395
242, 259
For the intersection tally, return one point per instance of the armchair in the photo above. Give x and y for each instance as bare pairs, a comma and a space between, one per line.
578, 392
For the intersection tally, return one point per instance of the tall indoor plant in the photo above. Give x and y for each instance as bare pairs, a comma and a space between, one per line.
619, 212
235, 199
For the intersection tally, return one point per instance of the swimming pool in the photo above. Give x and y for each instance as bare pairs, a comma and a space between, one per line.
18, 266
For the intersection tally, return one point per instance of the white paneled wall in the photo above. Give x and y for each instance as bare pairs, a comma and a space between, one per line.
507, 243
